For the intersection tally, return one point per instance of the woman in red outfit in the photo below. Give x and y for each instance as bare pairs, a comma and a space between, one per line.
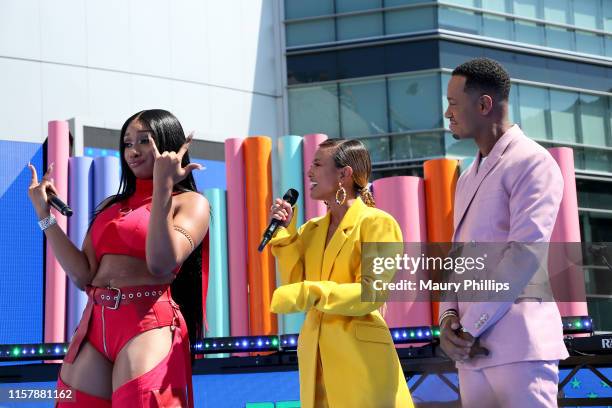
131, 348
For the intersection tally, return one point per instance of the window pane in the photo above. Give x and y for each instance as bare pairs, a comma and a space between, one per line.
607, 15
460, 20
310, 32
495, 5
369, 25
593, 119
460, 148
533, 106
597, 160
585, 13
563, 113
608, 46
345, 6
301, 8
414, 102
417, 145
363, 108
468, 3
594, 194
557, 11
557, 37
514, 114
526, 8
394, 3
314, 109
589, 43
378, 148
412, 20
599, 308
445, 79
529, 33
497, 27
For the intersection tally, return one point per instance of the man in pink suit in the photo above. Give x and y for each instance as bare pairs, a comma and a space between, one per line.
510, 194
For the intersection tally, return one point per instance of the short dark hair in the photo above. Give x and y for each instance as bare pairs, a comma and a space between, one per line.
484, 74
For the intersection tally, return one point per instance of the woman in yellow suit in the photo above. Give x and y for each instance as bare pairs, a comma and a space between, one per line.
345, 352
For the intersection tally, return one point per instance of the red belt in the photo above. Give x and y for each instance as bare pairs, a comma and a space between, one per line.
112, 298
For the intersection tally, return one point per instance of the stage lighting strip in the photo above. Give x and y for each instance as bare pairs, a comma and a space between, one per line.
577, 324
236, 344
400, 335
44, 351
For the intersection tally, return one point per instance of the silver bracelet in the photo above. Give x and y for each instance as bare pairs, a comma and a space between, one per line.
47, 222
449, 312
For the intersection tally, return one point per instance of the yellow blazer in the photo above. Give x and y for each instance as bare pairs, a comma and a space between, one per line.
360, 364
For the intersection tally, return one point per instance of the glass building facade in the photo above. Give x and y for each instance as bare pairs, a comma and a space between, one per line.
377, 70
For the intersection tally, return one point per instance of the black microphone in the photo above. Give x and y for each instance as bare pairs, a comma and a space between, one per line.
291, 197
59, 205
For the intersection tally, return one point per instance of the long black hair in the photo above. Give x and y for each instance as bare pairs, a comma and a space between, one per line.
169, 136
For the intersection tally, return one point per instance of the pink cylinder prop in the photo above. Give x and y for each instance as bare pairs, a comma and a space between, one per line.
404, 198
312, 208
58, 149
236, 237
566, 275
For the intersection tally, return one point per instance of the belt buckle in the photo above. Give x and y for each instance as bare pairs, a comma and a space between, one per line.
116, 300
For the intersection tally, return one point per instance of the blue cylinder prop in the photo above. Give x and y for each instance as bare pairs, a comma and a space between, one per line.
80, 178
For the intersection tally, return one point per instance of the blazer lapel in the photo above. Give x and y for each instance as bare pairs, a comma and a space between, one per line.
316, 247
339, 238
476, 176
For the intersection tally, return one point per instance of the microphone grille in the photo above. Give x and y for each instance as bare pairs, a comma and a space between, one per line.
291, 196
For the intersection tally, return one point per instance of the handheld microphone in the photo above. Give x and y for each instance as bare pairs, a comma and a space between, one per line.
291, 197
59, 205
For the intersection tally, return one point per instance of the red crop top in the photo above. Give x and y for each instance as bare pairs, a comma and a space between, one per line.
121, 229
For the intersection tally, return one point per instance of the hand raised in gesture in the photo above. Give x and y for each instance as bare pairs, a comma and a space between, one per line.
37, 191
168, 169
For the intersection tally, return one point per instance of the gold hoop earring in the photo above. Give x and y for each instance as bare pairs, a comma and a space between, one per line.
341, 190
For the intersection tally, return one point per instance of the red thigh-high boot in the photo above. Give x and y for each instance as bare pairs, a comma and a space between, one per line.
76, 398
165, 385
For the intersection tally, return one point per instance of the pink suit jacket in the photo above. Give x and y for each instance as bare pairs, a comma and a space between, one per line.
513, 197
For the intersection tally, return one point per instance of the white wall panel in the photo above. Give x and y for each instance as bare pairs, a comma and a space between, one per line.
150, 37
63, 31
212, 63
108, 34
20, 29
110, 95
64, 92
21, 111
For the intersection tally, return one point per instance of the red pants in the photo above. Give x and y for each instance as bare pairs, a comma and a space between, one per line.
114, 316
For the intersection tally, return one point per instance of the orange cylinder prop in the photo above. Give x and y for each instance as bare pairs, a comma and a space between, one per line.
260, 266
440, 181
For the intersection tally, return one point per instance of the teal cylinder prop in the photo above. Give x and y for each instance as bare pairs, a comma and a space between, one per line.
291, 176
217, 301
